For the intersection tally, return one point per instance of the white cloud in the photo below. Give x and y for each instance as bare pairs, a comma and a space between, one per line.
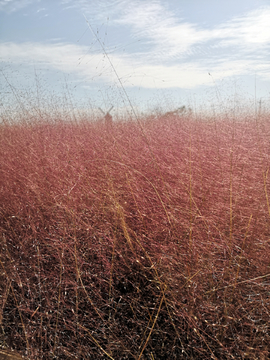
75, 59
250, 30
178, 54
169, 37
41, 9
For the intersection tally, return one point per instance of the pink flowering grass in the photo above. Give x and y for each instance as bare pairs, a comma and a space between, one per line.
148, 241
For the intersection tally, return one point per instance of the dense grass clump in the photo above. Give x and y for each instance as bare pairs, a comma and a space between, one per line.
149, 240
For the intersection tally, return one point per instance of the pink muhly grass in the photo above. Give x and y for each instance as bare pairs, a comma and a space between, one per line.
121, 245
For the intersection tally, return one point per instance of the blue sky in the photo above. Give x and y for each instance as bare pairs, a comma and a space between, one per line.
165, 53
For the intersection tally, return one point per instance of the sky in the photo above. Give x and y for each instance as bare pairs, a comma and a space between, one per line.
153, 55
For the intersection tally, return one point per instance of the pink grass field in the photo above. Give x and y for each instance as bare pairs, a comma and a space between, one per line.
147, 241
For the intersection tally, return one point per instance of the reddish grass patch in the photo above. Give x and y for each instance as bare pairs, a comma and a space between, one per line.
135, 245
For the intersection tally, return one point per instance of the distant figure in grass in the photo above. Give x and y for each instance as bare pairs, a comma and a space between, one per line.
179, 111
107, 117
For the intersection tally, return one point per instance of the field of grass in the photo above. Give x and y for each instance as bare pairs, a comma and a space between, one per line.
150, 240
